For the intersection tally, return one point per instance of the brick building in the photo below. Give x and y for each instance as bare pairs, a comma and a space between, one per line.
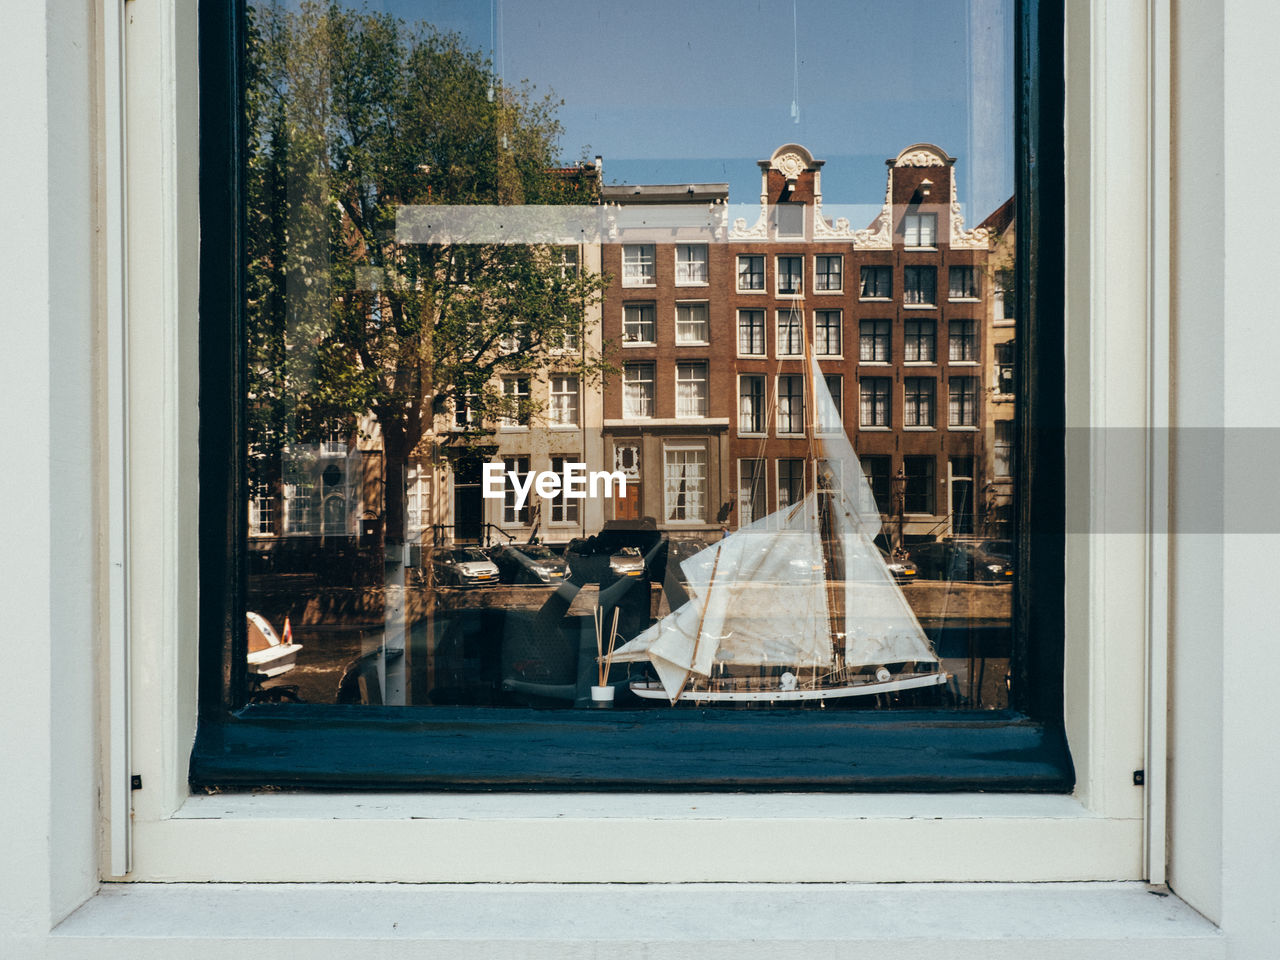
710, 412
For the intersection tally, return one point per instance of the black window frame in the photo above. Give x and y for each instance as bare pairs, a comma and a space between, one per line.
1022, 748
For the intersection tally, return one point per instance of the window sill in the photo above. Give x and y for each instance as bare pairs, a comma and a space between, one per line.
964, 299
828, 293
919, 306
751, 292
693, 343
957, 428
692, 283
920, 429
875, 299
628, 344
1104, 921
866, 429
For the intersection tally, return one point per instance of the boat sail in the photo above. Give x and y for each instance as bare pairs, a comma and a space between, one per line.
798, 605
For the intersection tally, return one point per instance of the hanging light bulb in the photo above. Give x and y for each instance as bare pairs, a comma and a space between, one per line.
795, 111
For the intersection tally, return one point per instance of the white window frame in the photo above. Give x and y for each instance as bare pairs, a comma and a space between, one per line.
1095, 833
839, 260
777, 392
788, 345
764, 279
691, 264
565, 411
703, 491
762, 415
764, 332
877, 267
697, 406
515, 381
827, 354
641, 324
689, 306
640, 366
914, 229
777, 275
639, 265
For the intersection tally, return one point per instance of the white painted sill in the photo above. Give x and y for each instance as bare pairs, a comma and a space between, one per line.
586, 838
1102, 921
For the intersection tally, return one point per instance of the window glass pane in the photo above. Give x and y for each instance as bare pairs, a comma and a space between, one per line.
489, 383
691, 323
751, 332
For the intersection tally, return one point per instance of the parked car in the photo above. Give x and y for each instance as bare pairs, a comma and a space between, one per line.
463, 567
998, 548
958, 560
902, 566
528, 563
626, 562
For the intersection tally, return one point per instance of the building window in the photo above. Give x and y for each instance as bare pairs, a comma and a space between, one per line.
520, 467
873, 341
751, 403
962, 341
638, 323
262, 511
919, 341
417, 500
963, 283
515, 393
788, 220
750, 272
790, 276
876, 283
1004, 368
691, 263
691, 323
877, 471
691, 389
790, 481
835, 387
464, 411
828, 273
684, 487
514, 340
791, 404
638, 265
962, 407
1004, 296
637, 390
751, 491
563, 509
790, 340
827, 340
919, 285
567, 261
564, 400
751, 333
873, 401
918, 491
1002, 449
917, 401
920, 230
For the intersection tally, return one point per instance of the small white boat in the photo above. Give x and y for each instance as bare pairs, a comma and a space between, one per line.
269, 656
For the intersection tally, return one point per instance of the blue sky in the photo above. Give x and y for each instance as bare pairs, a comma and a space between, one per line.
699, 90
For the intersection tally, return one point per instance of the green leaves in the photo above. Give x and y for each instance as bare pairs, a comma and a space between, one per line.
349, 116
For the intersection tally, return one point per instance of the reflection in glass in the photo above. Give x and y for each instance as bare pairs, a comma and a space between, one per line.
462, 456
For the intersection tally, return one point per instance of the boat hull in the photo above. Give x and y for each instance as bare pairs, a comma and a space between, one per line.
650, 690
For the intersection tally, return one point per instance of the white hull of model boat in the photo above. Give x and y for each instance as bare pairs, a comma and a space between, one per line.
652, 690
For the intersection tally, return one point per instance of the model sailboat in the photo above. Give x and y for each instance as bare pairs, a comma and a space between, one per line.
798, 605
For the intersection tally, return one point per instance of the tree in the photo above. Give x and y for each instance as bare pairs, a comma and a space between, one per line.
350, 116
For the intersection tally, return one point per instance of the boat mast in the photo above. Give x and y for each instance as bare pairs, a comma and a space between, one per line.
832, 548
